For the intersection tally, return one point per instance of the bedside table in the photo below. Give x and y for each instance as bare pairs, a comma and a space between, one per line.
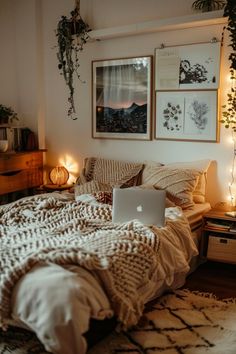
218, 241
55, 187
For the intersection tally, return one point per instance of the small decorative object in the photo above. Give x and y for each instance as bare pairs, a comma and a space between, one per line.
208, 5
122, 98
59, 175
72, 34
7, 114
3, 145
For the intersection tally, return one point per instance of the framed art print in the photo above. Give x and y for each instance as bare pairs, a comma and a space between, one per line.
188, 67
187, 115
122, 98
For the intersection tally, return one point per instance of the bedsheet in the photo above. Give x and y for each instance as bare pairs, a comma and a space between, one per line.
194, 215
171, 254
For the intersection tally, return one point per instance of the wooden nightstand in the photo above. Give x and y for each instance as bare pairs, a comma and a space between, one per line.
20, 170
218, 241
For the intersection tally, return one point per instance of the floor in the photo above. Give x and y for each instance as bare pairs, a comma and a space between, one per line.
216, 278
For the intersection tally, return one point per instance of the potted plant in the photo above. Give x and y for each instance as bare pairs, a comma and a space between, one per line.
208, 5
7, 114
72, 34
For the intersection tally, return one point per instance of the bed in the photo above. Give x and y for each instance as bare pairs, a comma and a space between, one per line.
64, 262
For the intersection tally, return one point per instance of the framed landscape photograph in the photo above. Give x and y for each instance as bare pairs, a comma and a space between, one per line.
188, 67
187, 115
122, 98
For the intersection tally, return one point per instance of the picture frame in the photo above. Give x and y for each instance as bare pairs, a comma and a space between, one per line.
122, 98
188, 67
187, 115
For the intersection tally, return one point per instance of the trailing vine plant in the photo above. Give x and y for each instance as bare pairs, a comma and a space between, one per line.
72, 34
229, 113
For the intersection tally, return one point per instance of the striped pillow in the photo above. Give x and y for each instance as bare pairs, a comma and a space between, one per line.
178, 183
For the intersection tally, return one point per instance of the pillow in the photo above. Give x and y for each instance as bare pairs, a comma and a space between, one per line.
201, 166
91, 187
147, 170
178, 183
169, 203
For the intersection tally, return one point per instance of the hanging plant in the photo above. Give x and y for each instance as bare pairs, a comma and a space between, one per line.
72, 34
229, 113
230, 12
208, 5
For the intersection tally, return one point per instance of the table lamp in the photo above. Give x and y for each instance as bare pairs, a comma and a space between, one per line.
59, 175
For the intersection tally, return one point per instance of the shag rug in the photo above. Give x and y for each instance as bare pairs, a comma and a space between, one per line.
182, 322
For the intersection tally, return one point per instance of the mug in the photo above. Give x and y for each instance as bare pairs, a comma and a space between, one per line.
3, 145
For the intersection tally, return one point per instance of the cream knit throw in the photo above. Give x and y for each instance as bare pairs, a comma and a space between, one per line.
48, 228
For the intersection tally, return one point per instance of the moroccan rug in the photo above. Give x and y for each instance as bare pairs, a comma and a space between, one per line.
182, 322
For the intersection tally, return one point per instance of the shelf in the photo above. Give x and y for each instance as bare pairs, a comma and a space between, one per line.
170, 24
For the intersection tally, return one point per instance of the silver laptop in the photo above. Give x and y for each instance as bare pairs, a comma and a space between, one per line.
146, 205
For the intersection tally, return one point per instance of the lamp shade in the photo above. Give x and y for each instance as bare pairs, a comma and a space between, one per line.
59, 175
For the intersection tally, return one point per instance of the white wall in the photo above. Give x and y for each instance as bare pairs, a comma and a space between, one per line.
42, 93
8, 79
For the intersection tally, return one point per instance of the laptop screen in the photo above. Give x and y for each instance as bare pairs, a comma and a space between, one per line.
145, 205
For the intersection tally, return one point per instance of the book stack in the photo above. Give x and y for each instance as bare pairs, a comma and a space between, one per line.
13, 135
218, 225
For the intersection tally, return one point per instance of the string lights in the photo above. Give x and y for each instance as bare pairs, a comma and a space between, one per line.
232, 172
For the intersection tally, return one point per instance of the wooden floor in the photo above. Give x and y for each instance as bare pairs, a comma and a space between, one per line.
216, 278
213, 277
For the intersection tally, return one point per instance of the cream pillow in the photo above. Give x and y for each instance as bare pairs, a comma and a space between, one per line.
201, 166
178, 183
149, 166
168, 204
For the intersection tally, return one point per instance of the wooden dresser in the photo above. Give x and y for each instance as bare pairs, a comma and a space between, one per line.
20, 170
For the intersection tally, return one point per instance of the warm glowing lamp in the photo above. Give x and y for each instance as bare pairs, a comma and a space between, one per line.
59, 175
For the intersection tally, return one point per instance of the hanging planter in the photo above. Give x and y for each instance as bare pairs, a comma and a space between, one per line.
72, 34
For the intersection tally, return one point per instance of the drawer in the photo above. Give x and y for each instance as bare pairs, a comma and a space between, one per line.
221, 249
20, 161
20, 180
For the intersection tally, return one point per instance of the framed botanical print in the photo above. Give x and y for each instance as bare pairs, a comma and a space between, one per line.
188, 67
122, 98
187, 115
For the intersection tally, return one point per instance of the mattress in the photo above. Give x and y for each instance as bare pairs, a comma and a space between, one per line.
194, 215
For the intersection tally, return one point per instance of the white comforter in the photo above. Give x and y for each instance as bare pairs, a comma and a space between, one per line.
56, 301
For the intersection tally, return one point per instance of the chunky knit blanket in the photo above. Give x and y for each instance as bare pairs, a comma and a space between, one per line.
49, 228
